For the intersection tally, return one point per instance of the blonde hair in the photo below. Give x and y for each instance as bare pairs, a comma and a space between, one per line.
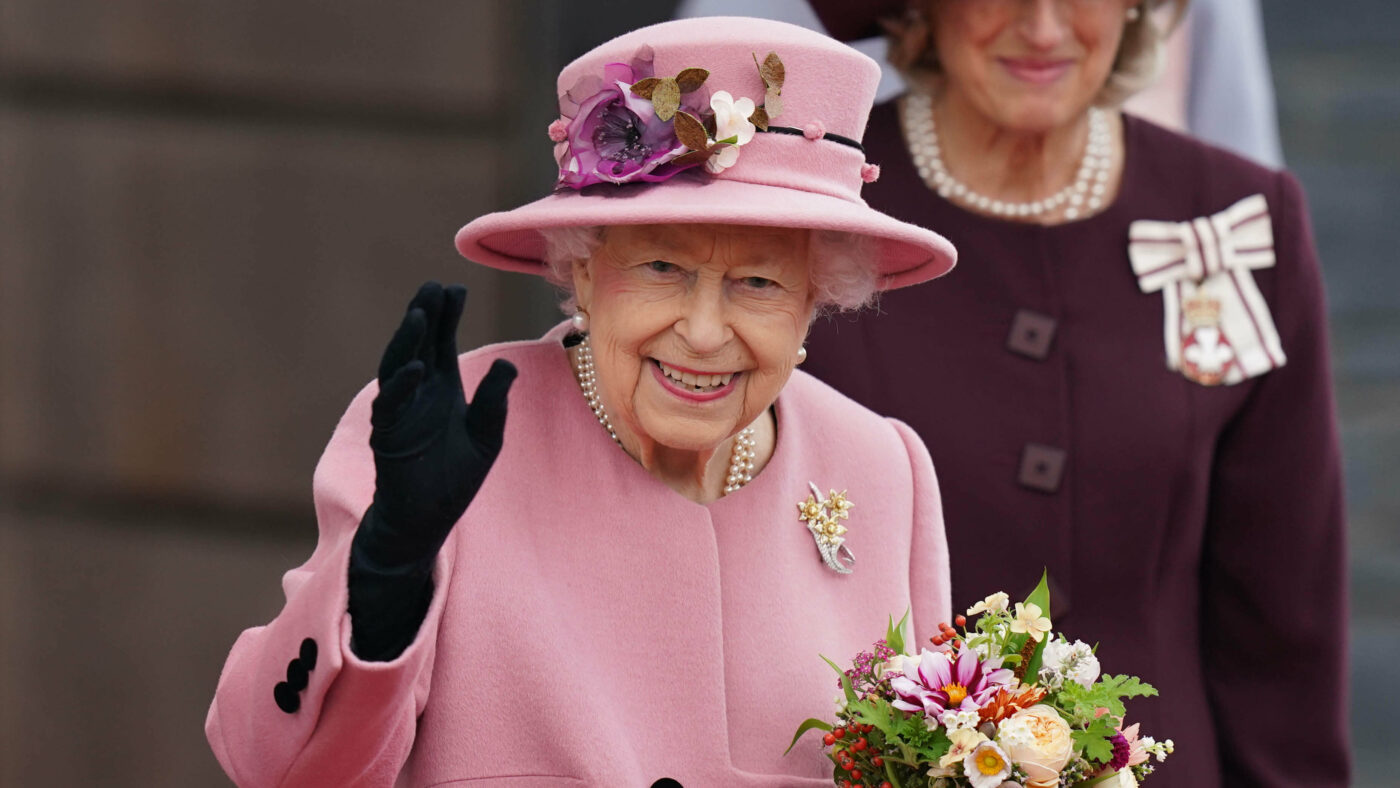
843, 270
1141, 53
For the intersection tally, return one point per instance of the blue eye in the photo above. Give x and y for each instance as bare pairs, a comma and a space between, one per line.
663, 267
758, 282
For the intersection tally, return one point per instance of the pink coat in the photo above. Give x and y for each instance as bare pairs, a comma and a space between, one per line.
589, 625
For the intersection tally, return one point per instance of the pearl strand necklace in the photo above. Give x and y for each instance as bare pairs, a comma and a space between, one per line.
1084, 196
741, 460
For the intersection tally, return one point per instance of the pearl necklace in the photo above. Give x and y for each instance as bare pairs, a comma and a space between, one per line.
1084, 196
741, 461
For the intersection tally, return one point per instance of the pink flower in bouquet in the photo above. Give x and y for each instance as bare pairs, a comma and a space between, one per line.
1137, 750
1039, 740
939, 683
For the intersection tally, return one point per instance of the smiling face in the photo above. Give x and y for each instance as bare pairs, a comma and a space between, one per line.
694, 328
1027, 65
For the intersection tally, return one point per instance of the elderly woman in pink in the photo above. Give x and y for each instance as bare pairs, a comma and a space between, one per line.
618, 583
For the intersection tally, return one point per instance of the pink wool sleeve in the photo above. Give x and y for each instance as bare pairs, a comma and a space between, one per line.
930, 587
354, 721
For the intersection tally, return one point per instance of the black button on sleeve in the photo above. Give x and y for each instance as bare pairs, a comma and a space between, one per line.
287, 698
308, 653
297, 675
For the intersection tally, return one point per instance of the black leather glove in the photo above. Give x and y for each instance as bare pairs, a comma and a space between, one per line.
432, 451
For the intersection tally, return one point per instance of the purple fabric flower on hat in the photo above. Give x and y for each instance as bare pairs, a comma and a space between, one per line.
614, 136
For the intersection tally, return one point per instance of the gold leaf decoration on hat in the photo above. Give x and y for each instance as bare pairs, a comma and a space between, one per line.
691, 132
773, 103
759, 118
644, 87
691, 79
772, 72
666, 98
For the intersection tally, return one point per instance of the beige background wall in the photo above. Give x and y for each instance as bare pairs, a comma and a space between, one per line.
211, 215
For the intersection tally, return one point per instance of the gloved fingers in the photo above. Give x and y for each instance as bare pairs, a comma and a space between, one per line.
396, 395
430, 298
454, 297
486, 416
403, 347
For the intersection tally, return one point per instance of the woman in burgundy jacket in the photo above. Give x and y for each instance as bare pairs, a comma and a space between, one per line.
1126, 381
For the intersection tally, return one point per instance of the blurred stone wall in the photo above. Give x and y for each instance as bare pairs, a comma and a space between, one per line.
1337, 75
211, 216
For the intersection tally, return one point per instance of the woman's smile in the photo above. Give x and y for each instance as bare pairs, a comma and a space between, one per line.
1034, 70
694, 385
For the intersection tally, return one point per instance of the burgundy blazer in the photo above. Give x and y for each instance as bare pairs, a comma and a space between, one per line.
1194, 532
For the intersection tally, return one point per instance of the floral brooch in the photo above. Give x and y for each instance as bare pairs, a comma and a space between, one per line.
630, 125
823, 517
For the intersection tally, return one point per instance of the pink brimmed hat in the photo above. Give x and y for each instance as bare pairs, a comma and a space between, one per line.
722, 120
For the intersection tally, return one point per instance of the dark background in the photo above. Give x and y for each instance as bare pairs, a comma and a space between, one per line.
211, 215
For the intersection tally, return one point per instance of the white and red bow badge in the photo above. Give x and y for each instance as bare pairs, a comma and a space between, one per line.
1218, 328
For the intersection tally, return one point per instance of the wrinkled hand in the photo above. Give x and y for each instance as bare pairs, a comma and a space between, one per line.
432, 449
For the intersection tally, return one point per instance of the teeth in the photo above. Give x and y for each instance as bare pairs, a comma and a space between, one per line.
694, 381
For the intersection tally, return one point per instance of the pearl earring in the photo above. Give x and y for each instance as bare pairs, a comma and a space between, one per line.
580, 321
802, 354
1134, 14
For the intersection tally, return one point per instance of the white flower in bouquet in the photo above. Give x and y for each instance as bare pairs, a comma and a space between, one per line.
1029, 621
996, 603
1063, 660
899, 663
956, 719
987, 766
1039, 741
964, 742
1122, 779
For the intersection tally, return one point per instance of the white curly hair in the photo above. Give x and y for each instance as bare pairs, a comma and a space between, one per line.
842, 277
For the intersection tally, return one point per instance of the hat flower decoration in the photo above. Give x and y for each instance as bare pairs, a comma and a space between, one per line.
722, 121
631, 125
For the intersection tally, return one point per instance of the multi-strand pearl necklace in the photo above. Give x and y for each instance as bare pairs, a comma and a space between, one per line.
741, 460
1083, 197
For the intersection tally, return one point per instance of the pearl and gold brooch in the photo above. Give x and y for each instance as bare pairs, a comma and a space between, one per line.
823, 516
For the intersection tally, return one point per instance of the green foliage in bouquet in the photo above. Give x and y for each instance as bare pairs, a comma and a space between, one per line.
1001, 700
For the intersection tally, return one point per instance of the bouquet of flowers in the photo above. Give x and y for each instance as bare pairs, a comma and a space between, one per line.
999, 703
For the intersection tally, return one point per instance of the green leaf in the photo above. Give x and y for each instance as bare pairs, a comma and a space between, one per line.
1096, 741
1041, 595
807, 725
894, 633
845, 682
1081, 704
877, 712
